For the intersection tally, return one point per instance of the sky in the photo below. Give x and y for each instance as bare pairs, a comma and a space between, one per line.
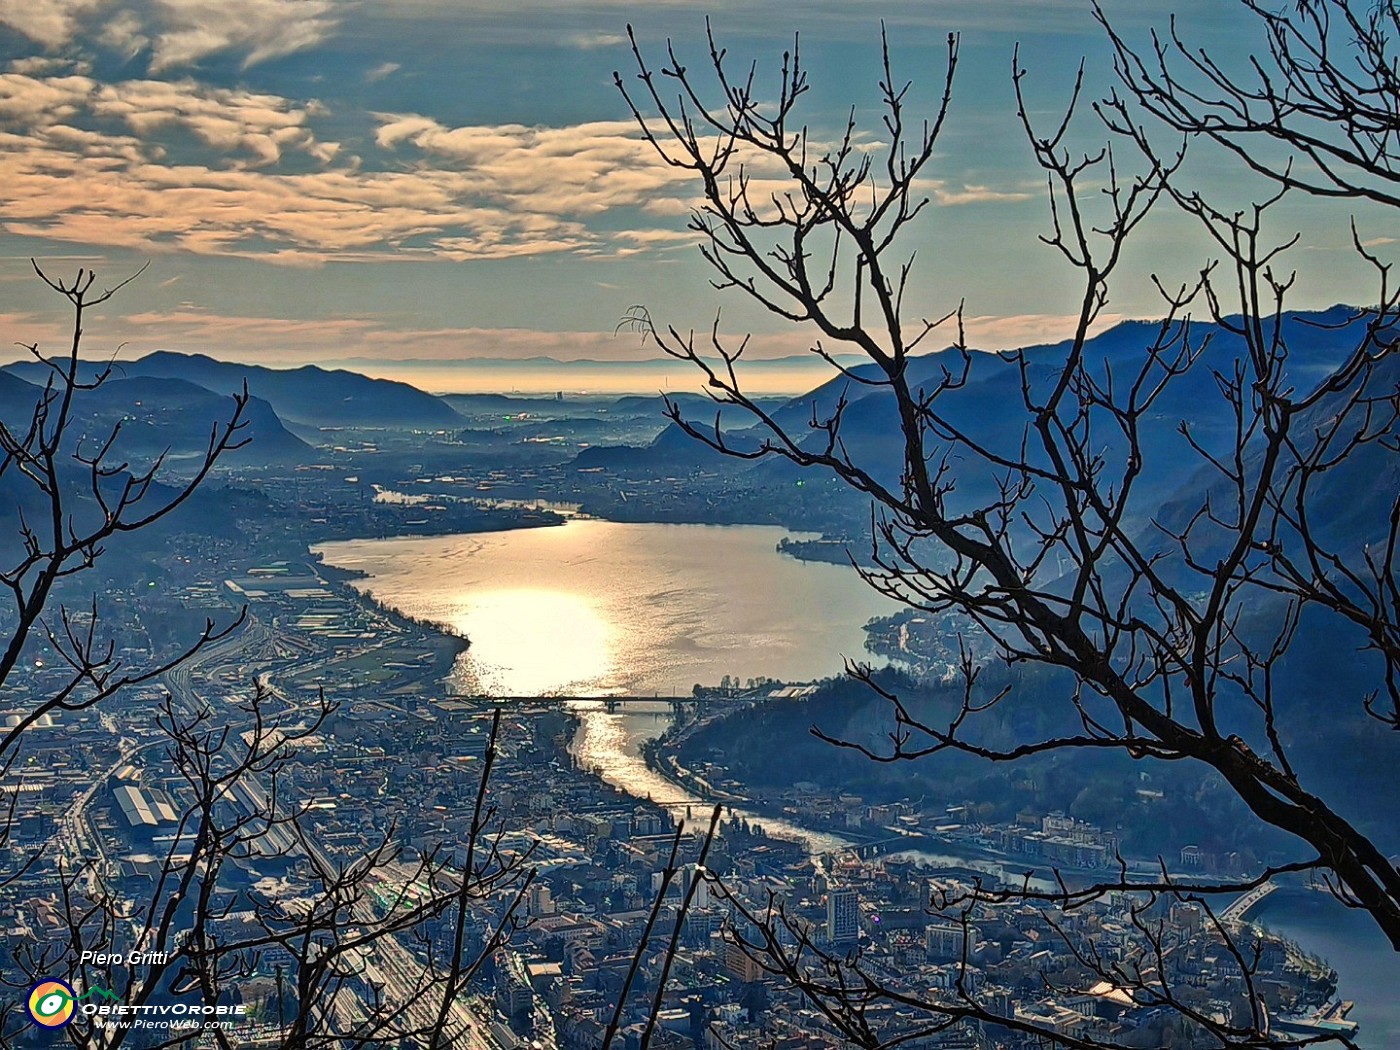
385, 181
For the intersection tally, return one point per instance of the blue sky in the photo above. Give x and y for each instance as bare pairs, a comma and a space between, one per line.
322, 180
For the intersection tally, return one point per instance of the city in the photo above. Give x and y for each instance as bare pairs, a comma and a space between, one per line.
847, 524
399, 751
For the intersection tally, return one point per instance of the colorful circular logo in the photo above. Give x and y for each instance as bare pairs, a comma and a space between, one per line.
50, 1003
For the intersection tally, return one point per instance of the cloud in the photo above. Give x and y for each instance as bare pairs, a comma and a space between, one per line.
842, 20
262, 126
27, 100
426, 355
593, 41
581, 169
660, 237
51, 23
125, 34
297, 340
229, 120
90, 184
379, 72
182, 32
947, 196
39, 65
459, 193
190, 30
24, 329
162, 165
63, 183
987, 332
176, 165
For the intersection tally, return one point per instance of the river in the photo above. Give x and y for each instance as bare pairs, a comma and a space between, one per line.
597, 608
1368, 970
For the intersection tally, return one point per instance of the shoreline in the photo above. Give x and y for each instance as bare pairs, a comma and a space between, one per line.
918, 842
360, 581
652, 750
445, 644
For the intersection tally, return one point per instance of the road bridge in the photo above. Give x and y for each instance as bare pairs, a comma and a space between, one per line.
1240, 906
609, 700
613, 704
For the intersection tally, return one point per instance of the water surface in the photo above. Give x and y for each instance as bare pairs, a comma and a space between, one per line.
1368, 968
593, 608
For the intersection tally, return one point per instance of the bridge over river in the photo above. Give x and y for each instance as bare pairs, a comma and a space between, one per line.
1240, 906
610, 701
658, 703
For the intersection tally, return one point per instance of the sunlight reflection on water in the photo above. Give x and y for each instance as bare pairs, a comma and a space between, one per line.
508, 628
593, 608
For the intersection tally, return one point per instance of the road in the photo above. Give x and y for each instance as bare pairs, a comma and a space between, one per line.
1239, 907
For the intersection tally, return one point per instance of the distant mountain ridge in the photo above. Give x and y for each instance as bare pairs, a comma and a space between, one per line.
159, 416
987, 408
169, 418
309, 395
543, 362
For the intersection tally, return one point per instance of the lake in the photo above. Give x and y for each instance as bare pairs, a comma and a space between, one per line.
1368, 969
597, 608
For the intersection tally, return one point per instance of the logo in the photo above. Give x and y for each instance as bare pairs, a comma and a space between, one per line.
51, 1003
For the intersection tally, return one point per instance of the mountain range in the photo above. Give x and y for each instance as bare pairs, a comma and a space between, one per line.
310, 395
168, 400
988, 408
